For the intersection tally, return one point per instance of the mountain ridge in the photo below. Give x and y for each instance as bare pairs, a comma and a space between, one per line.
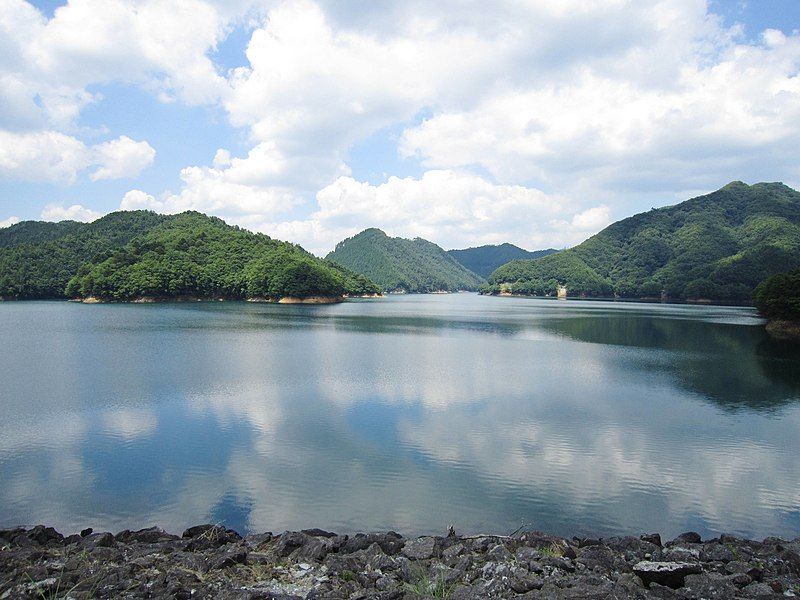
400, 264
483, 260
714, 247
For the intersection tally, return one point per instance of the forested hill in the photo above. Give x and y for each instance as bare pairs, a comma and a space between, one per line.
38, 258
717, 247
485, 259
398, 264
127, 255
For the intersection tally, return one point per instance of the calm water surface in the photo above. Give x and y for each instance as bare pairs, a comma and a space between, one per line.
409, 413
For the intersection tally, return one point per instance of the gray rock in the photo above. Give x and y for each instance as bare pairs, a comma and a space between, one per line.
709, 586
451, 553
757, 590
420, 549
498, 553
690, 537
670, 574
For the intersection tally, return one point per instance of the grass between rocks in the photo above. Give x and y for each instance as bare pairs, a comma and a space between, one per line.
427, 587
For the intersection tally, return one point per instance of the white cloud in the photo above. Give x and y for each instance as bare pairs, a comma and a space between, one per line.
122, 157
731, 116
616, 106
454, 209
57, 157
592, 219
45, 155
48, 64
9, 222
139, 200
76, 212
609, 104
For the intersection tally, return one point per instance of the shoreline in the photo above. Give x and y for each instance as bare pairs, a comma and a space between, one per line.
643, 300
784, 330
210, 561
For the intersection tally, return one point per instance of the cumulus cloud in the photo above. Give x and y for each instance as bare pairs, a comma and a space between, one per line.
44, 155
9, 222
122, 157
624, 104
453, 208
76, 212
47, 65
605, 108
139, 200
57, 157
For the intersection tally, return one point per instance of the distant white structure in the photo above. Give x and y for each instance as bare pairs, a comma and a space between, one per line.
562, 292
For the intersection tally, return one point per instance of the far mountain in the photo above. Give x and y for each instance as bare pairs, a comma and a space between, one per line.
399, 264
716, 247
485, 259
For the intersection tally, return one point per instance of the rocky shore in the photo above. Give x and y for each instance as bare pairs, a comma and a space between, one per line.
209, 561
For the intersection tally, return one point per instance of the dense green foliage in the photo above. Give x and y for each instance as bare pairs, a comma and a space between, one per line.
127, 255
398, 264
483, 260
717, 247
37, 259
778, 297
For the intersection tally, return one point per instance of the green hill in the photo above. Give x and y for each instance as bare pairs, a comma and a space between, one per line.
37, 258
485, 259
717, 247
398, 264
126, 255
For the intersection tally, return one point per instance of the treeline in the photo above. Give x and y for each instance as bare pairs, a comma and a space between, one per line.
779, 296
717, 247
398, 264
483, 260
128, 255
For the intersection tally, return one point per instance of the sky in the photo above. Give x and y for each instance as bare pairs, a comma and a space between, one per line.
459, 121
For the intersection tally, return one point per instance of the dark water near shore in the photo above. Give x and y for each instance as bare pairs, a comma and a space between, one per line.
409, 413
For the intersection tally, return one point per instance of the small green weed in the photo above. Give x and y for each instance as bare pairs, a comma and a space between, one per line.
424, 586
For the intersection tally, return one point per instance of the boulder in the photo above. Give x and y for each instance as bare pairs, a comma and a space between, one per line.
670, 574
689, 537
420, 549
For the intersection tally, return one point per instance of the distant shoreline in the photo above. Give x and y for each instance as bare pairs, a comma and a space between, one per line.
645, 300
211, 561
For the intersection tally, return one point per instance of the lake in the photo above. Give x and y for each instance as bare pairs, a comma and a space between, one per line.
409, 413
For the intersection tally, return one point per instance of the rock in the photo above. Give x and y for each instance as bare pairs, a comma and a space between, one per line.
652, 538
99, 539
318, 533
601, 558
390, 542
87, 531
208, 536
757, 590
289, 541
420, 549
450, 553
314, 549
228, 559
45, 535
499, 553
670, 574
709, 586
690, 537
718, 552
146, 536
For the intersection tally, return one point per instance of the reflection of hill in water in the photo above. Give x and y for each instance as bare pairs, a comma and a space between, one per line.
736, 366
732, 365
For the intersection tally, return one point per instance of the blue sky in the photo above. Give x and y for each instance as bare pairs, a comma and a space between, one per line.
534, 123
